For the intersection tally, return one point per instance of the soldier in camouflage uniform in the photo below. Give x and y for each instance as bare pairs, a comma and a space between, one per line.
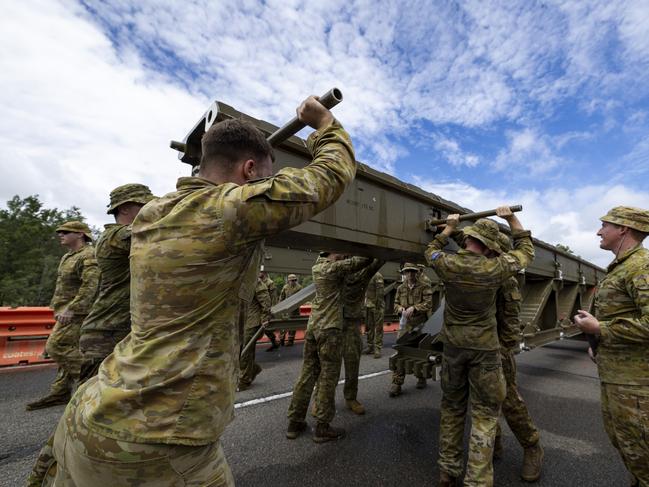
109, 320
323, 344
76, 288
272, 290
356, 285
154, 414
621, 323
413, 301
471, 365
508, 307
257, 314
374, 308
288, 290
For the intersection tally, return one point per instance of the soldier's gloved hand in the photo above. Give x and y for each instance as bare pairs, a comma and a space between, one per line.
312, 113
64, 317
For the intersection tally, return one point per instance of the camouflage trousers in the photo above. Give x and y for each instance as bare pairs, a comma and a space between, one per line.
398, 377
476, 376
63, 347
625, 410
44, 470
291, 335
85, 458
95, 346
352, 350
249, 369
374, 327
322, 359
514, 409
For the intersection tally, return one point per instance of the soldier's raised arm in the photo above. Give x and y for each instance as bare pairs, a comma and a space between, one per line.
293, 195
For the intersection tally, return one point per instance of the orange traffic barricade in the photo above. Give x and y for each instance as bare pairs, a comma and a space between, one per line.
23, 333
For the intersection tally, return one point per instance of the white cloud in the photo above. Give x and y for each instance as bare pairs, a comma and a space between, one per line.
557, 215
529, 150
92, 95
77, 120
450, 149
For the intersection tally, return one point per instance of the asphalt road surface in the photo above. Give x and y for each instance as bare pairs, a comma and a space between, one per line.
394, 444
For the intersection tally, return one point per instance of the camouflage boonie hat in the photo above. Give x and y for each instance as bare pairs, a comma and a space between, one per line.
504, 243
129, 193
75, 227
628, 216
486, 231
409, 267
292, 277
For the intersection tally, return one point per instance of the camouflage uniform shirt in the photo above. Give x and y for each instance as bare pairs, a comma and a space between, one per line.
622, 308
195, 253
76, 282
111, 310
329, 277
355, 287
508, 305
272, 290
420, 296
471, 282
259, 308
288, 291
374, 297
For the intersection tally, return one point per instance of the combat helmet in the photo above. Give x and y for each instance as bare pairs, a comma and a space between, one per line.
129, 193
75, 226
292, 277
628, 216
486, 231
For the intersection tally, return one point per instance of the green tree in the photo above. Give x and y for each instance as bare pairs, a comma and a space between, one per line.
30, 251
565, 248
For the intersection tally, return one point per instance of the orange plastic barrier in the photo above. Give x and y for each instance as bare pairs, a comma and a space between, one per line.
23, 333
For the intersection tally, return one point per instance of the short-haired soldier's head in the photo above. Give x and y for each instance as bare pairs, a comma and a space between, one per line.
237, 151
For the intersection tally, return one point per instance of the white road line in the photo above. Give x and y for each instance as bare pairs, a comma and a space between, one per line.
283, 395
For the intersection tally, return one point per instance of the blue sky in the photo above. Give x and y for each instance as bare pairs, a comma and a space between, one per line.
540, 103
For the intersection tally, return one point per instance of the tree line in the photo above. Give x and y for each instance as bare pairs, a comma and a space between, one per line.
30, 251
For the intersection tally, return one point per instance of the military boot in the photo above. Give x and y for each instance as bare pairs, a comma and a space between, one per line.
274, 344
498, 447
421, 383
395, 390
324, 432
532, 462
294, 429
368, 351
445, 480
377, 353
355, 406
48, 402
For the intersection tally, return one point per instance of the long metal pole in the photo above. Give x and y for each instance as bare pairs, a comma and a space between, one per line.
475, 216
329, 100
